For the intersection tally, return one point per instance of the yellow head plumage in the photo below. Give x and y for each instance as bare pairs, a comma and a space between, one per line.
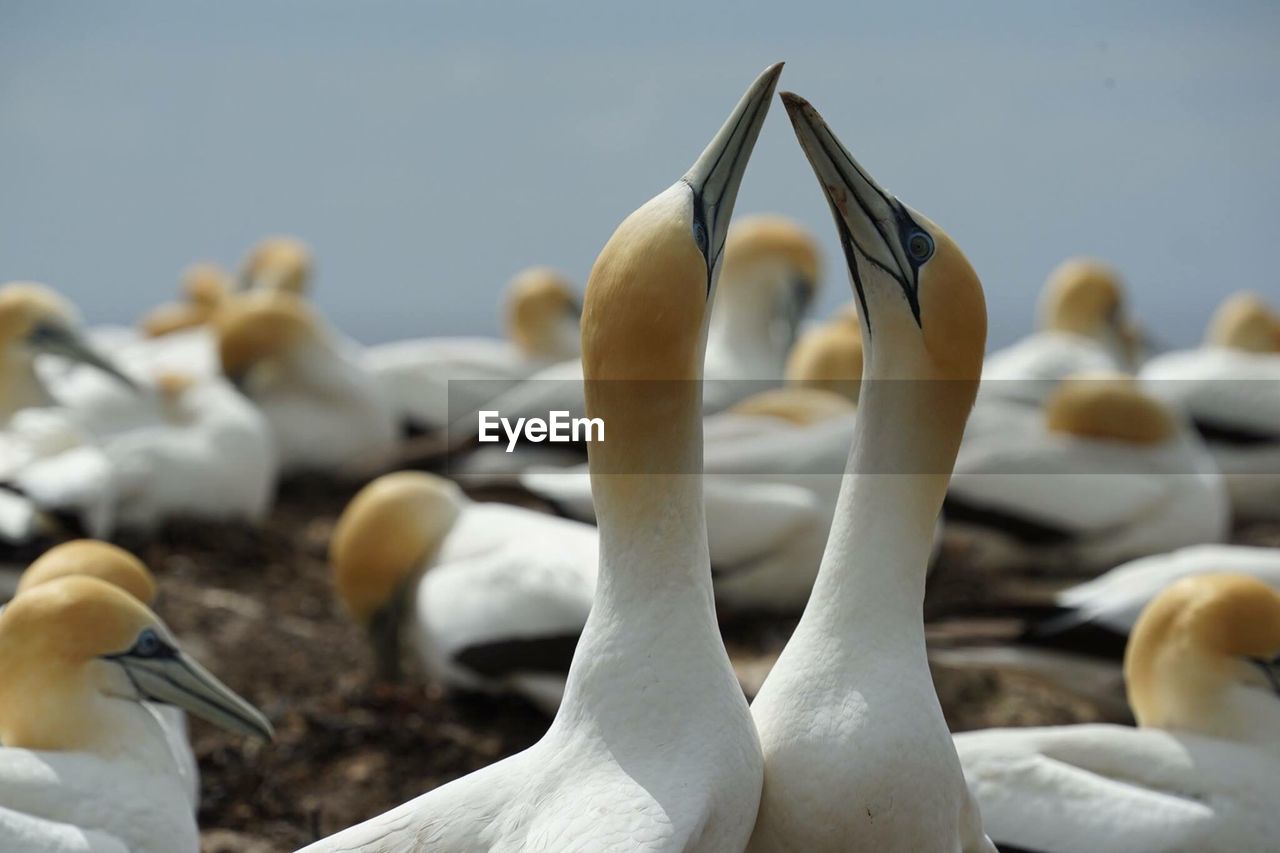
829, 357
1200, 637
385, 536
1245, 322
764, 238
1108, 406
92, 558
1083, 296
24, 305
541, 312
278, 263
204, 285
255, 327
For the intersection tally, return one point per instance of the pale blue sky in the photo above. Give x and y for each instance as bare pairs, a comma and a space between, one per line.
429, 150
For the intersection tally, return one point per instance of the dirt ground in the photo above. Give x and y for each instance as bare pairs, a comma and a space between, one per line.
255, 606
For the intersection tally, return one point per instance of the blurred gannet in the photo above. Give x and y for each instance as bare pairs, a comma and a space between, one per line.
1203, 676
490, 596
1230, 387
1105, 473
106, 562
204, 286
857, 753
86, 763
35, 320
325, 408
1084, 329
542, 329
770, 276
652, 748
277, 263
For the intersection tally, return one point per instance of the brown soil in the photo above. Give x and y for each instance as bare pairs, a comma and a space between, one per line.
256, 608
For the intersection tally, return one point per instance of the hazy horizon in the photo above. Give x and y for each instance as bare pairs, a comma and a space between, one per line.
428, 153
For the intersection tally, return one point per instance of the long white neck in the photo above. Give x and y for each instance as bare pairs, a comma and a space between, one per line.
871, 583
20, 387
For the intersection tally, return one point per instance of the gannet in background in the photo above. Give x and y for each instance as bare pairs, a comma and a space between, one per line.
86, 763
652, 748
35, 320
106, 562
1230, 387
491, 596
857, 753
204, 286
829, 356
326, 410
277, 263
1084, 328
1105, 473
1203, 677
771, 274
541, 320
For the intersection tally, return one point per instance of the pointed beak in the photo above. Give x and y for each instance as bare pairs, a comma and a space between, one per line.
867, 215
69, 345
717, 174
178, 680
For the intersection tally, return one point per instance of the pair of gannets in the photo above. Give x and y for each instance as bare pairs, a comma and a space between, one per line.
434, 381
1085, 328
1103, 472
653, 746
87, 763
1230, 387
1203, 676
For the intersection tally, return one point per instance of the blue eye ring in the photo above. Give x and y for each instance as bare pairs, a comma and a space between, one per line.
700, 235
148, 644
920, 246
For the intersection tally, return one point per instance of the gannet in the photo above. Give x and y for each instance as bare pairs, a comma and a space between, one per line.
1230, 387
652, 748
106, 562
829, 356
1203, 677
1105, 473
204, 286
326, 410
1084, 328
86, 763
771, 274
491, 596
277, 263
35, 320
435, 380
857, 753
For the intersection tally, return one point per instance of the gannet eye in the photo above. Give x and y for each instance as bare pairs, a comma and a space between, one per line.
700, 236
148, 645
920, 246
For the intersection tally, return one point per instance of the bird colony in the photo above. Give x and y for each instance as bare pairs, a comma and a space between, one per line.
733, 620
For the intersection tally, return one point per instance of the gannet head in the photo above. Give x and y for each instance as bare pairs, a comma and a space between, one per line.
381, 543
1108, 406
277, 263
543, 314
35, 319
829, 357
773, 263
72, 647
204, 286
260, 327
1086, 297
650, 291
1245, 322
797, 405
920, 302
1201, 640
95, 559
